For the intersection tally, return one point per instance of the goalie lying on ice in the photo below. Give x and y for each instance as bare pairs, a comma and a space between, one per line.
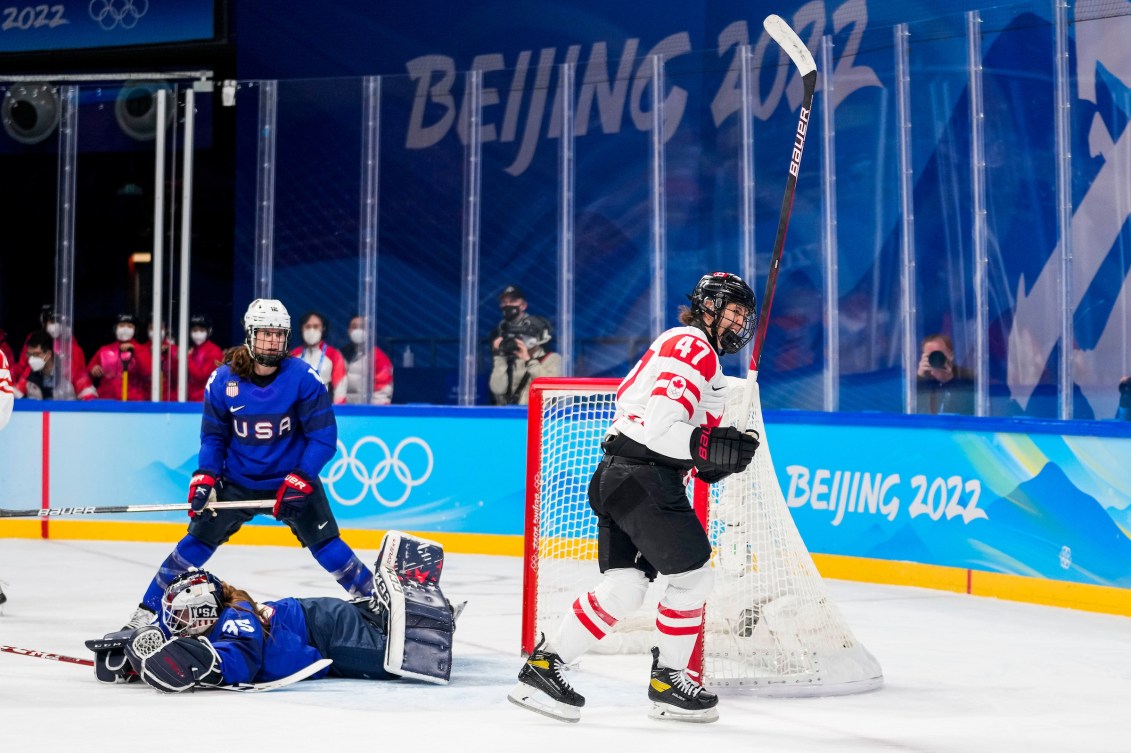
210, 633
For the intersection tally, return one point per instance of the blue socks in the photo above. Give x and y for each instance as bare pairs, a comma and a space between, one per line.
339, 560
189, 552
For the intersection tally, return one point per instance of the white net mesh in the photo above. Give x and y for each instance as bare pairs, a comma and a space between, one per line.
770, 625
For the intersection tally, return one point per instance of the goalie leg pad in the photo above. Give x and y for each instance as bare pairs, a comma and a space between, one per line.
420, 622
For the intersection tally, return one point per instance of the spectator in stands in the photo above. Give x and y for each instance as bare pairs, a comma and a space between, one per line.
519, 350
325, 359
49, 323
169, 355
1123, 413
43, 382
943, 386
123, 368
355, 355
203, 356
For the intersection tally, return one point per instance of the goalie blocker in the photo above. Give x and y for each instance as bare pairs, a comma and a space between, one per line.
420, 620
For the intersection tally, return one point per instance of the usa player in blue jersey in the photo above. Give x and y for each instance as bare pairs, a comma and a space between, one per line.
210, 633
268, 429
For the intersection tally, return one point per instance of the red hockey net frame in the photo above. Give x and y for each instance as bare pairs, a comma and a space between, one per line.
532, 527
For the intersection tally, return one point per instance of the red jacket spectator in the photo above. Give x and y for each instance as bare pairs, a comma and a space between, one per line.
326, 360
124, 357
202, 361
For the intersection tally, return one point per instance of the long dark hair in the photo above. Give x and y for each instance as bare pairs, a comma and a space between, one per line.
239, 361
232, 597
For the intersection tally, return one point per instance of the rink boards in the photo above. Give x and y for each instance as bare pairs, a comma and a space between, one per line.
1038, 511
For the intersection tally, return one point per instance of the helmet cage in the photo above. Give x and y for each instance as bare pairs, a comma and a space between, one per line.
711, 296
192, 603
267, 314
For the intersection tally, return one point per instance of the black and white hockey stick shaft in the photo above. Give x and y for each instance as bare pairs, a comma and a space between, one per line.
53, 512
46, 655
245, 687
788, 40
282, 682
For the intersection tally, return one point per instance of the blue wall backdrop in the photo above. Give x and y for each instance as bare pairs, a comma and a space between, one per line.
422, 53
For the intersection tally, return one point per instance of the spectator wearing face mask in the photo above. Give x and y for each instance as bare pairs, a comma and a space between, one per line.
123, 368
50, 324
43, 382
326, 360
355, 355
203, 356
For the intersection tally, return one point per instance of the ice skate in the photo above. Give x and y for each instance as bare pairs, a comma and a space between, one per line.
542, 688
676, 696
141, 617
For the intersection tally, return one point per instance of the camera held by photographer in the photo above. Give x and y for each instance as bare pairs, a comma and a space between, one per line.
519, 350
942, 385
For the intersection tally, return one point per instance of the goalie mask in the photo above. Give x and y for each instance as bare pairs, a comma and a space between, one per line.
711, 296
266, 319
192, 603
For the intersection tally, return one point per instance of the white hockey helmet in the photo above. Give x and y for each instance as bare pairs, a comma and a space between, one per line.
267, 313
192, 603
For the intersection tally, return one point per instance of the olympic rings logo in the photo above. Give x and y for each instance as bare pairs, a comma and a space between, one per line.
109, 16
369, 478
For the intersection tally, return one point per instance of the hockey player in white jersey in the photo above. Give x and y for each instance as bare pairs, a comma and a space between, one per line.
7, 399
666, 425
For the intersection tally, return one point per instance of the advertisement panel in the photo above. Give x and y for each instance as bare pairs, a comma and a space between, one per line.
1000, 496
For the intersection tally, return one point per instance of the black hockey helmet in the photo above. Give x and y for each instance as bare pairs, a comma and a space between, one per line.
712, 294
200, 321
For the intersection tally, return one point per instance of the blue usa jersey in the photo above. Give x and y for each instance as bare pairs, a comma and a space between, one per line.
247, 654
254, 436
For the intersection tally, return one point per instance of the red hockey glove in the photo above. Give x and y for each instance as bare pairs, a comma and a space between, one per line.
291, 498
200, 489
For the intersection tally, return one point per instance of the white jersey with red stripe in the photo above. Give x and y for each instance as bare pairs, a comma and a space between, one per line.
675, 387
7, 397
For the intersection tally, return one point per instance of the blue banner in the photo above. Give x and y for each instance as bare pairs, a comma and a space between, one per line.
998, 496
81, 24
1055, 506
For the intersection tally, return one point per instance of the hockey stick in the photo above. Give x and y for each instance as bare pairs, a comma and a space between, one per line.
52, 512
282, 682
244, 687
46, 655
792, 45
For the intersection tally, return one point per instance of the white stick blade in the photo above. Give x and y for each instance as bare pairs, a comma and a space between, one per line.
789, 41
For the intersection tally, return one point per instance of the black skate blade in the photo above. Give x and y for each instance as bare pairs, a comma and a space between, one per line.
535, 700
664, 712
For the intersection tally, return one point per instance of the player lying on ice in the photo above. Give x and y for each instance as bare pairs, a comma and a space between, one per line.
212, 634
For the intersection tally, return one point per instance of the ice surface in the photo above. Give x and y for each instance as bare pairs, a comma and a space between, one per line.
963, 674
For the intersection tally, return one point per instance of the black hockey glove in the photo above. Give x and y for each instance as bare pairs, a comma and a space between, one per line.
291, 498
176, 665
721, 449
711, 477
200, 489
110, 663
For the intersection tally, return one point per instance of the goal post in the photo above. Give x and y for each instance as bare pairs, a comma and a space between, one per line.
770, 626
